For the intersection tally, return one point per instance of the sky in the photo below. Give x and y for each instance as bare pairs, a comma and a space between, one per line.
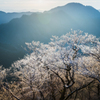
40, 5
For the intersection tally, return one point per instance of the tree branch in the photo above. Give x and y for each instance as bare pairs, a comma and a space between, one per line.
11, 92
78, 89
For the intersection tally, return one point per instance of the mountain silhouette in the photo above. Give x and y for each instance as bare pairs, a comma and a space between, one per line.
41, 27
6, 17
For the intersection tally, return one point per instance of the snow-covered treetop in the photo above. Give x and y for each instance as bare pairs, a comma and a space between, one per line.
70, 50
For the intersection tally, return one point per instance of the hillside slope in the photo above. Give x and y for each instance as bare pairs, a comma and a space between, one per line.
41, 26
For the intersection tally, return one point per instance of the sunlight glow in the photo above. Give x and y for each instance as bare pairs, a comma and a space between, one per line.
40, 5
40, 1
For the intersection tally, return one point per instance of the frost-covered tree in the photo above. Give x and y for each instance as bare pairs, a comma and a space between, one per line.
53, 66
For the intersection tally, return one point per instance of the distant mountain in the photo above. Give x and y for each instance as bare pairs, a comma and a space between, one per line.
6, 17
41, 26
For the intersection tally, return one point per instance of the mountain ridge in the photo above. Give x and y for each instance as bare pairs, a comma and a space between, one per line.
41, 27
6, 17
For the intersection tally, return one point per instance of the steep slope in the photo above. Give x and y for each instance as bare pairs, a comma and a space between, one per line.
41, 26
86, 17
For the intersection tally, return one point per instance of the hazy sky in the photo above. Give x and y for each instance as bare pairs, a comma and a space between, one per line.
40, 5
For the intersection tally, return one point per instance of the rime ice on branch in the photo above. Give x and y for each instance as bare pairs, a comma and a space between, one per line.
75, 52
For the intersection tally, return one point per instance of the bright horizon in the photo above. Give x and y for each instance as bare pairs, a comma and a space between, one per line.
41, 5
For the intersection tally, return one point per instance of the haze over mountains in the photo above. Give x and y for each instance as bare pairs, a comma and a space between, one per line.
41, 26
6, 17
